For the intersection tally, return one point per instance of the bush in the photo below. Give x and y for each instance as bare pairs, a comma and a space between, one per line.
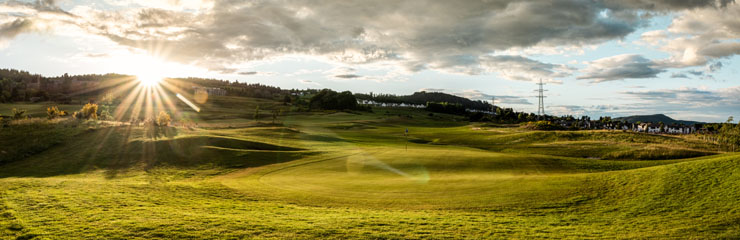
105, 115
19, 114
77, 115
53, 112
542, 125
163, 119
89, 111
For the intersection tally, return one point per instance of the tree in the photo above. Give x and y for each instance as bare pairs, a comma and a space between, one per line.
163, 119
730, 119
331, 100
256, 112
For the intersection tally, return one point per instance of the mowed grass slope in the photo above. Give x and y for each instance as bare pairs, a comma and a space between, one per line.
354, 175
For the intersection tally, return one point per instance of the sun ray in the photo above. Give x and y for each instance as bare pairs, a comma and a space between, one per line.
106, 84
148, 104
139, 104
128, 103
167, 101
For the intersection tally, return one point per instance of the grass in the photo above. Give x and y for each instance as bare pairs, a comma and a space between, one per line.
353, 175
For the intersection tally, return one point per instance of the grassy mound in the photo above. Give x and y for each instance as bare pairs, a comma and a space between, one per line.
124, 148
425, 176
696, 198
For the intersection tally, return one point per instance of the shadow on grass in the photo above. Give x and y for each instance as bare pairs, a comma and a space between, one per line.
117, 150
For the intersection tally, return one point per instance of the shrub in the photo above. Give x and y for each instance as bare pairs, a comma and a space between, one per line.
163, 119
105, 115
542, 125
77, 115
89, 111
19, 114
53, 112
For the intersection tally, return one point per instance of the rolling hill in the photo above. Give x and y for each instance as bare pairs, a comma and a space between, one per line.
339, 175
655, 118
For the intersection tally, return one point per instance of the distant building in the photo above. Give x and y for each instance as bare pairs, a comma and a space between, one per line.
210, 91
381, 104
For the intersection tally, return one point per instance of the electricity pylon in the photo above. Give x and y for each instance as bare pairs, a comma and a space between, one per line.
541, 98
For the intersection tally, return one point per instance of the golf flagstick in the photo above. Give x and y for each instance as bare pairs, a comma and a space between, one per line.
407, 139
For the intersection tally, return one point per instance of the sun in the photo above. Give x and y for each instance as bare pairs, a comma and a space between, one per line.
149, 78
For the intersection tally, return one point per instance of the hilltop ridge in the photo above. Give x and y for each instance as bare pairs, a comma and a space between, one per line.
655, 118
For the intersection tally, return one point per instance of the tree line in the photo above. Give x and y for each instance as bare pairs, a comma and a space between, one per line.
22, 86
423, 97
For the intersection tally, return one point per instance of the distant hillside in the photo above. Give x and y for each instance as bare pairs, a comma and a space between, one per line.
655, 118
424, 97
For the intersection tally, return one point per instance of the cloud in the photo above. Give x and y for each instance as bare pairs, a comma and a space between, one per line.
524, 69
414, 34
699, 36
510, 67
347, 76
689, 103
254, 73
21, 17
714, 67
11, 29
691, 96
620, 67
432, 90
667, 5
511, 100
679, 75
309, 82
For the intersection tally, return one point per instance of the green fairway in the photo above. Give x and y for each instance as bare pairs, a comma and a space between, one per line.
338, 175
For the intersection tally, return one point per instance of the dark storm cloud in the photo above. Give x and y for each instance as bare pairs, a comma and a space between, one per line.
620, 67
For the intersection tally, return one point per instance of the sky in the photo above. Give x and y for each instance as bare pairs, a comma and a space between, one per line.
597, 57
